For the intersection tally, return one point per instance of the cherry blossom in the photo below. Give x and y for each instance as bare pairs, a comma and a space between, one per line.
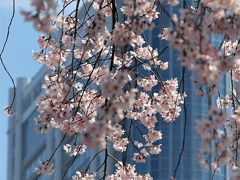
46, 168
75, 149
80, 176
105, 77
127, 172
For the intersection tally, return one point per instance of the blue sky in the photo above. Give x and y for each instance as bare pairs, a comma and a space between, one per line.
18, 59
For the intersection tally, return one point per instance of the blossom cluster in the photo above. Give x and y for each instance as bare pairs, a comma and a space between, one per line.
197, 53
45, 168
43, 16
94, 87
127, 172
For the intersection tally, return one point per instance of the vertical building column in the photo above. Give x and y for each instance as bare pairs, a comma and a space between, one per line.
21, 83
11, 146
